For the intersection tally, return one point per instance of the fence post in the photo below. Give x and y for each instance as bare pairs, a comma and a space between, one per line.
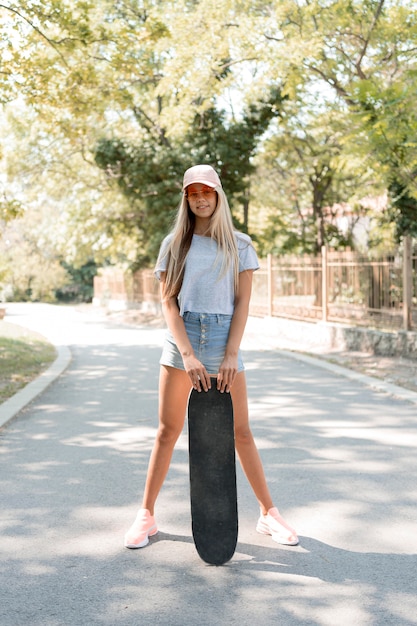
407, 283
324, 284
270, 287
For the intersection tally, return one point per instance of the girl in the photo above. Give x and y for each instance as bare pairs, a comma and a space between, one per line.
205, 270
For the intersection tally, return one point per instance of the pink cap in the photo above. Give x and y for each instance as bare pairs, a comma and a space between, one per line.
203, 174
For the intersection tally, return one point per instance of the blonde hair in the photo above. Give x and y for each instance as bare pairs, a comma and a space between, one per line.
221, 230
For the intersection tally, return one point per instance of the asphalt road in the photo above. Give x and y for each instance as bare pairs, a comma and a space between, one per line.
340, 458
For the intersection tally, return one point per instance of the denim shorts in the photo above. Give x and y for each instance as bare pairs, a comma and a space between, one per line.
208, 334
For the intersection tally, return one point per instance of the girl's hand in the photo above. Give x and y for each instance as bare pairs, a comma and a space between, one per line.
197, 373
227, 373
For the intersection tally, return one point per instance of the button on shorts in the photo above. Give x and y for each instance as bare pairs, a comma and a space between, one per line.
208, 334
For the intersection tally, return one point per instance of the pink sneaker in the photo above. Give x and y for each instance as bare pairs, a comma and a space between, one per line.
273, 524
142, 528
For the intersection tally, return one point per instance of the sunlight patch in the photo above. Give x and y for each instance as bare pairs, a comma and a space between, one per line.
385, 436
126, 439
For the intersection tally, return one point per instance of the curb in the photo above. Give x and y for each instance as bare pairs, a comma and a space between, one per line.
368, 381
11, 407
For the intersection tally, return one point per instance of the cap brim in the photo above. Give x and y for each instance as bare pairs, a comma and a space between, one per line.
200, 182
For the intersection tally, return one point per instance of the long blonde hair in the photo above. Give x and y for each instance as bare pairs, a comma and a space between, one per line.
221, 230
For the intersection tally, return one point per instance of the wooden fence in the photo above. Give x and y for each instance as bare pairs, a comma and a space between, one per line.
336, 286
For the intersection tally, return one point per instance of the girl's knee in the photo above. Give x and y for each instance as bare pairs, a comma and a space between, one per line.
243, 435
168, 434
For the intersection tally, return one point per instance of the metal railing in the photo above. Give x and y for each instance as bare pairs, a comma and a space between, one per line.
340, 287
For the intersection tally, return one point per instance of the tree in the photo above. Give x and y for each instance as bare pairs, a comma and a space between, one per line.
309, 159
77, 70
31, 266
150, 176
231, 145
361, 57
91, 76
117, 85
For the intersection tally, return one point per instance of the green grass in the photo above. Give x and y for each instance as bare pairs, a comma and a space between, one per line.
24, 354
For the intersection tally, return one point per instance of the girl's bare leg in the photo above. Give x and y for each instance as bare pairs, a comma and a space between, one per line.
174, 388
245, 445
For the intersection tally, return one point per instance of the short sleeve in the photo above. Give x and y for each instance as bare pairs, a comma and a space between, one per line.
161, 263
248, 259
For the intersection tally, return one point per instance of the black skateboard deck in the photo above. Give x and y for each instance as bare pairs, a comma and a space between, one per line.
212, 475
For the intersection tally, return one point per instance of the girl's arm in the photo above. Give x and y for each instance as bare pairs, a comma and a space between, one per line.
228, 368
194, 368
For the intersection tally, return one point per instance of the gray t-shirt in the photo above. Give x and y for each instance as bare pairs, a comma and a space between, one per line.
204, 289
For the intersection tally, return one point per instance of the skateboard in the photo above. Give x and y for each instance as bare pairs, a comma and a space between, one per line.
212, 475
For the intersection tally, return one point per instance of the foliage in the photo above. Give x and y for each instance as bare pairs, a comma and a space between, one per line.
9, 209
309, 159
403, 209
151, 177
81, 287
231, 146
297, 104
361, 57
32, 271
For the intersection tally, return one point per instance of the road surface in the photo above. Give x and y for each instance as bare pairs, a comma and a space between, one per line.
339, 456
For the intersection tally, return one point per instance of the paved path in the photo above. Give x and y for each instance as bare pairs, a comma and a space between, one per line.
339, 456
